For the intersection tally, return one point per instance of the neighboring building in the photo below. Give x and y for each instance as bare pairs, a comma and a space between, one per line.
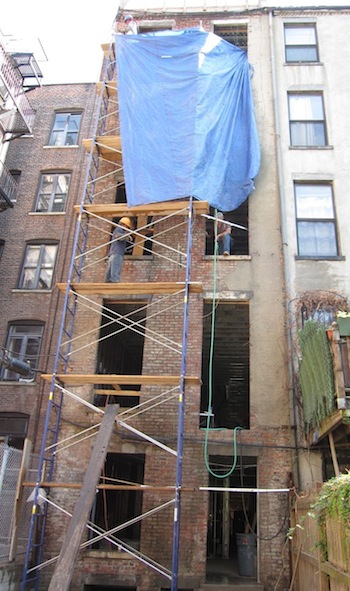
148, 341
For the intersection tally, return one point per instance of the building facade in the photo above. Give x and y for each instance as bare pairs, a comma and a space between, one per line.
199, 350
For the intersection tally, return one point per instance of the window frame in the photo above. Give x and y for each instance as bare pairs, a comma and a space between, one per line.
52, 201
39, 267
294, 122
60, 133
316, 221
21, 352
300, 46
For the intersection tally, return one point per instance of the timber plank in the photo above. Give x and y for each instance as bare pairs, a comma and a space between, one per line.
65, 564
157, 288
121, 379
149, 209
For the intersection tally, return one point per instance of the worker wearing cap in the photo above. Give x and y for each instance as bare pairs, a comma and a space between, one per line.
121, 239
131, 25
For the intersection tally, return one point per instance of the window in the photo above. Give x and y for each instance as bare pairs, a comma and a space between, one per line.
239, 230
300, 43
234, 33
122, 331
16, 175
13, 428
38, 266
307, 121
225, 389
2, 246
316, 227
52, 194
65, 129
23, 343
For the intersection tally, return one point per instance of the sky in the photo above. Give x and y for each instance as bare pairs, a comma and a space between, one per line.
70, 31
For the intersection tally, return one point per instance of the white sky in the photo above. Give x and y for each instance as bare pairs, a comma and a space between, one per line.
70, 31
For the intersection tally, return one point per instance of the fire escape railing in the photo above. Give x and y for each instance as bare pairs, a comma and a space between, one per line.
19, 118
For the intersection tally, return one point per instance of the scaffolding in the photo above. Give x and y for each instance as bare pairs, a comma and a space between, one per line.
105, 172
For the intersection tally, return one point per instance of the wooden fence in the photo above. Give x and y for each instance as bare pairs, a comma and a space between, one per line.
313, 569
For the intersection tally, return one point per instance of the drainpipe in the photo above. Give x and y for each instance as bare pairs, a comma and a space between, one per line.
284, 236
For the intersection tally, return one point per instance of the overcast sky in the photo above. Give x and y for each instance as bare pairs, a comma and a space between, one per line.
70, 31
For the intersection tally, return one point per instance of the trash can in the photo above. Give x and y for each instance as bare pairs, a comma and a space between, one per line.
246, 548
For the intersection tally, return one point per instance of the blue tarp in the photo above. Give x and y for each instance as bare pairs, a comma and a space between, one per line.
186, 117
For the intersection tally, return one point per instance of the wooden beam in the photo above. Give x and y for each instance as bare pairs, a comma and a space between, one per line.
117, 392
330, 423
333, 454
108, 147
150, 209
65, 564
110, 87
157, 288
80, 379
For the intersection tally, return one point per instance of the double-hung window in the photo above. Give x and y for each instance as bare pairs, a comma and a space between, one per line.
38, 266
307, 119
300, 43
316, 224
52, 194
23, 343
65, 129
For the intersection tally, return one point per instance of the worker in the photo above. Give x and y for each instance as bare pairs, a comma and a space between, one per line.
131, 25
121, 240
223, 235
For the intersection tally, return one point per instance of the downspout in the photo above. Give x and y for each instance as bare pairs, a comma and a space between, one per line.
287, 275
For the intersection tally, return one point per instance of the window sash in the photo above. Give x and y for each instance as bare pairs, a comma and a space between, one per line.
38, 266
53, 191
65, 129
307, 121
316, 226
300, 43
23, 343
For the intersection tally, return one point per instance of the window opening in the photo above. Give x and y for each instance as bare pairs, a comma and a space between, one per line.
65, 129
300, 43
23, 342
230, 385
234, 33
16, 175
231, 514
307, 120
52, 193
316, 224
38, 266
120, 350
239, 236
13, 428
114, 507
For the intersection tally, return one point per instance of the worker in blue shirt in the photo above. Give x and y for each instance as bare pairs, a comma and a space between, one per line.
121, 239
223, 235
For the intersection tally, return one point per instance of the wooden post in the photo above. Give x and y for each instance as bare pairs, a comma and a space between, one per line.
65, 564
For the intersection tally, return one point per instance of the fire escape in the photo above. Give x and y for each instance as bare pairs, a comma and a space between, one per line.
17, 70
69, 381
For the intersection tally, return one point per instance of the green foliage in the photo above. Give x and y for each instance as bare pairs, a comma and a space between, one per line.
316, 374
334, 502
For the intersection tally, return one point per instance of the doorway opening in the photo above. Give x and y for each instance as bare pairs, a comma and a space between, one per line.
231, 514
